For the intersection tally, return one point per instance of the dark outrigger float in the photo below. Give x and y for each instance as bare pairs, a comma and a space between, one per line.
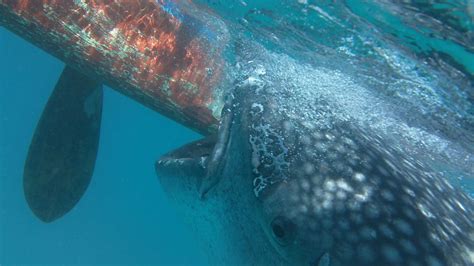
163, 54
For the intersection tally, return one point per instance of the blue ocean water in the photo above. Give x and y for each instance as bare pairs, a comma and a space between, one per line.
124, 216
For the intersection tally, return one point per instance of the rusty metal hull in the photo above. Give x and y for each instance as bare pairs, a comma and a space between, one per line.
164, 54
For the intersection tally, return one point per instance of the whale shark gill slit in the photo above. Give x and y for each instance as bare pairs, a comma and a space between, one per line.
216, 159
62, 153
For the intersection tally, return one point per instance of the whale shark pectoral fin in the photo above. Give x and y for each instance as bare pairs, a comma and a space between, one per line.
62, 153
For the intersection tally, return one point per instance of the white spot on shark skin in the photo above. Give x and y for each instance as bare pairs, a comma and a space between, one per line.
435, 238
352, 160
365, 253
409, 213
364, 195
253, 81
287, 125
327, 204
317, 135
343, 168
391, 253
325, 260
432, 261
425, 211
403, 227
459, 205
316, 179
448, 205
328, 196
409, 191
202, 161
330, 185
368, 233
354, 205
372, 211
408, 246
451, 224
359, 177
305, 198
332, 156
383, 171
387, 195
257, 106
308, 168
329, 136
386, 231
305, 185
303, 209
390, 164
306, 140
316, 206
344, 186
341, 195
303, 2
260, 70
340, 149
444, 234
469, 253
323, 168
317, 191
309, 125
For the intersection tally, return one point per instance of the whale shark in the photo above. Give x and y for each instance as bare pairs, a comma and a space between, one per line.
320, 186
287, 174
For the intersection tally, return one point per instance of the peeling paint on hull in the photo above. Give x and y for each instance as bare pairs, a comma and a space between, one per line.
164, 53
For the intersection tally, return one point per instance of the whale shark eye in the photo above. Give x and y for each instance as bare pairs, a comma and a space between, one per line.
283, 230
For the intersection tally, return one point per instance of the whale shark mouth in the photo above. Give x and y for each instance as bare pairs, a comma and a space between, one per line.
188, 160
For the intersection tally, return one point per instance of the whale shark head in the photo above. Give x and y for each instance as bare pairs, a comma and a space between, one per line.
330, 192
290, 181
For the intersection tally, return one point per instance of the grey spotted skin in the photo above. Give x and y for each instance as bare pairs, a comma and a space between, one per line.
310, 168
334, 193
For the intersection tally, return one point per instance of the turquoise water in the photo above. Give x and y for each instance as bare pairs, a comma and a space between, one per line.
124, 216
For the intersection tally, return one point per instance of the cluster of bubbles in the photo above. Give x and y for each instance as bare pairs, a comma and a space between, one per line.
346, 169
